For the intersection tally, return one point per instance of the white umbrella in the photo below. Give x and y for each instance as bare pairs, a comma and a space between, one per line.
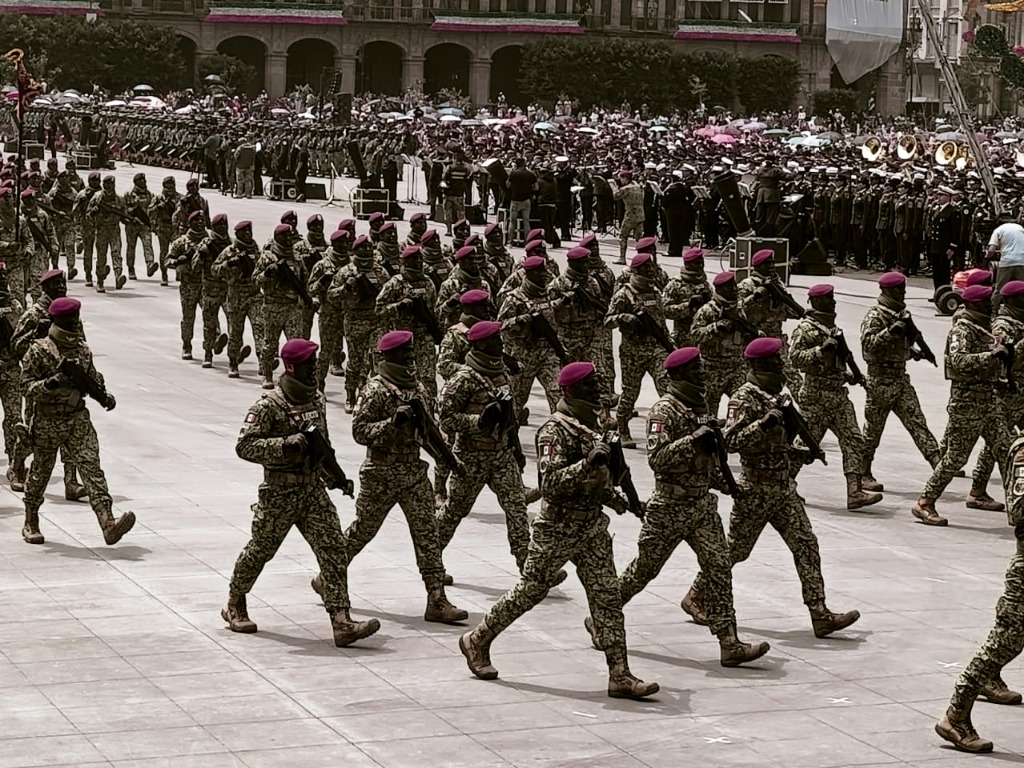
472, 123
495, 121
279, 111
186, 110
449, 118
148, 102
143, 88
452, 111
591, 131
115, 103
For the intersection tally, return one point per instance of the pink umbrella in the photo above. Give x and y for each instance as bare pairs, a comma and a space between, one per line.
706, 132
723, 138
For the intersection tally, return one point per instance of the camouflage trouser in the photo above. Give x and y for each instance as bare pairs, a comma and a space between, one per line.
10, 398
362, 340
244, 182
191, 295
778, 505
278, 318
75, 433
896, 395
65, 232
108, 240
214, 296
242, 306
19, 275
144, 235
632, 226
831, 409
538, 363
88, 248
498, 471
588, 545
694, 520
454, 209
164, 238
309, 509
332, 341
381, 487
426, 360
605, 357
1004, 643
969, 419
636, 360
723, 377
1013, 409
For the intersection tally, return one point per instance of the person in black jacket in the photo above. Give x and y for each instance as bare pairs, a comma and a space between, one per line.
547, 201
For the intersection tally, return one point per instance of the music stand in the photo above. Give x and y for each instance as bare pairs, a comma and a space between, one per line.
331, 199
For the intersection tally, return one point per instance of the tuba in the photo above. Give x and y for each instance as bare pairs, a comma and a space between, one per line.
872, 149
907, 148
946, 153
1020, 157
963, 157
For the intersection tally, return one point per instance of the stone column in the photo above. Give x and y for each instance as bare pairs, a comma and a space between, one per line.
412, 72
617, 11
347, 66
276, 74
479, 81
891, 88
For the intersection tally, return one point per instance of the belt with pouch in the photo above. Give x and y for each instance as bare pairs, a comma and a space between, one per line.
676, 491
276, 477
767, 476
564, 514
475, 444
382, 456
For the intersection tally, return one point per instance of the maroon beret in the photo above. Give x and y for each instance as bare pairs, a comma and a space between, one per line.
976, 293
289, 215
1012, 288
464, 253
282, 229
766, 346
483, 330
760, 257
220, 218
245, 224
347, 224
110, 178
50, 274
535, 245
427, 236
979, 277
692, 254
360, 241
196, 216
94, 175
417, 217
574, 373
316, 218
460, 224
647, 244
535, 234
28, 194
64, 307
534, 262
296, 351
412, 250
340, 234
821, 289
375, 217
724, 277
588, 241
168, 180
386, 227
491, 229
474, 296
640, 259
393, 340
892, 279
4, 191
681, 357
577, 254
473, 240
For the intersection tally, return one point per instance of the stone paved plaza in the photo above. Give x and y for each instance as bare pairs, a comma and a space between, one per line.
117, 656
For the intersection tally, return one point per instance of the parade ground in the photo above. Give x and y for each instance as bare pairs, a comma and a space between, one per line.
117, 656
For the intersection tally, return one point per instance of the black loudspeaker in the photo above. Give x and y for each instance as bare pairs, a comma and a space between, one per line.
496, 171
475, 215
34, 151
397, 212
343, 108
727, 185
812, 260
746, 247
282, 189
357, 160
316, 191
369, 201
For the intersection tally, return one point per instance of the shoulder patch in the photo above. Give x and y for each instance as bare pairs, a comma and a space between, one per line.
733, 414
250, 417
954, 341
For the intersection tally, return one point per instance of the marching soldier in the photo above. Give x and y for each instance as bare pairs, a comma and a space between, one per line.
293, 493
476, 306
106, 210
282, 302
579, 310
767, 304
161, 214
975, 361
720, 331
55, 405
682, 454
685, 294
387, 247
465, 277
42, 251
181, 257
602, 273
436, 264
332, 321
62, 198
636, 310
631, 195
86, 224
235, 265
188, 204
758, 430
572, 526
820, 352
495, 252
215, 288
137, 203
418, 224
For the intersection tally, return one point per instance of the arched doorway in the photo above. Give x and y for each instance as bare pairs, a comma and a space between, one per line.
505, 66
446, 66
187, 51
379, 69
252, 52
307, 60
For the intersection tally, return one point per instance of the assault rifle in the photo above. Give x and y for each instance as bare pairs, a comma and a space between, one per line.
717, 446
744, 326
781, 297
845, 357
916, 337
621, 476
289, 279
425, 315
322, 456
245, 262
51, 210
124, 216
433, 439
652, 328
797, 426
6, 333
365, 288
39, 236
584, 298
1006, 380
83, 382
541, 328
499, 421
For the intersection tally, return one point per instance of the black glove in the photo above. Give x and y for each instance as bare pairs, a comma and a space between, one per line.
772, 419
628, 321
403, 415
704, 435
54, 382
1001, 353
272, 270
490, 417
599, 455
294, 445
830, 344
724, 325
111, 403
899, 328
42, 329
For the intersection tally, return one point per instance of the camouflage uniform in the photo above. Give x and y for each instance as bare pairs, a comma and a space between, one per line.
452, 354
888, 386
721, 348
42, 249
487, 462
290, 495
282, 307
537, 360
359, 318
138, 200
767, 315
396, 290
683, 296
446, 306
682, 509
769, 493
632, 197
87, 230
10, 383
579, 318
62, 198
215, 288
235, 265
974, 410
1009, 328
161, 212
181, 257
108, 234
332, 318
604, 341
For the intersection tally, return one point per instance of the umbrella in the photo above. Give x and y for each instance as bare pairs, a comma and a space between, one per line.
115, 103
658, 129
471, 123
755, 125
451, 119
453, 111
143, 88
212, 79
279, 111
494, 121
1005, 134
777, 132
186, 110
950, 136
591, 131
831, 136
723, 138
545, 127
148, 102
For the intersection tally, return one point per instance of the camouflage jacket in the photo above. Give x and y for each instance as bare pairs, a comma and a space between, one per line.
877, 341
673, 456
515, 314
181, 256
765, 454
968, 358
269, 421
372, 418
577, 316
321, 278
274, 289
446, 306
230, 266
452, 354
42, 360
809, 356
344, 290
394, 292
760, 307
683, 296
461, 402
712, 340
571, 488
628, 301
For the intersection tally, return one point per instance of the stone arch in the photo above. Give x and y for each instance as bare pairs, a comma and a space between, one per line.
446, 65
250, 50
307, 60
379, 68
506, 65
187, 48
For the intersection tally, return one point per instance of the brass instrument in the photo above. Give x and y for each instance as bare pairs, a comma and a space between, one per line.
963, 157
872, 149
946, 153
1020, 157
907, 148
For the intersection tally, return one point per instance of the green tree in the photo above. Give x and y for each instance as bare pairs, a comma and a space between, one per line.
235, 74
842, 99
767, 83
